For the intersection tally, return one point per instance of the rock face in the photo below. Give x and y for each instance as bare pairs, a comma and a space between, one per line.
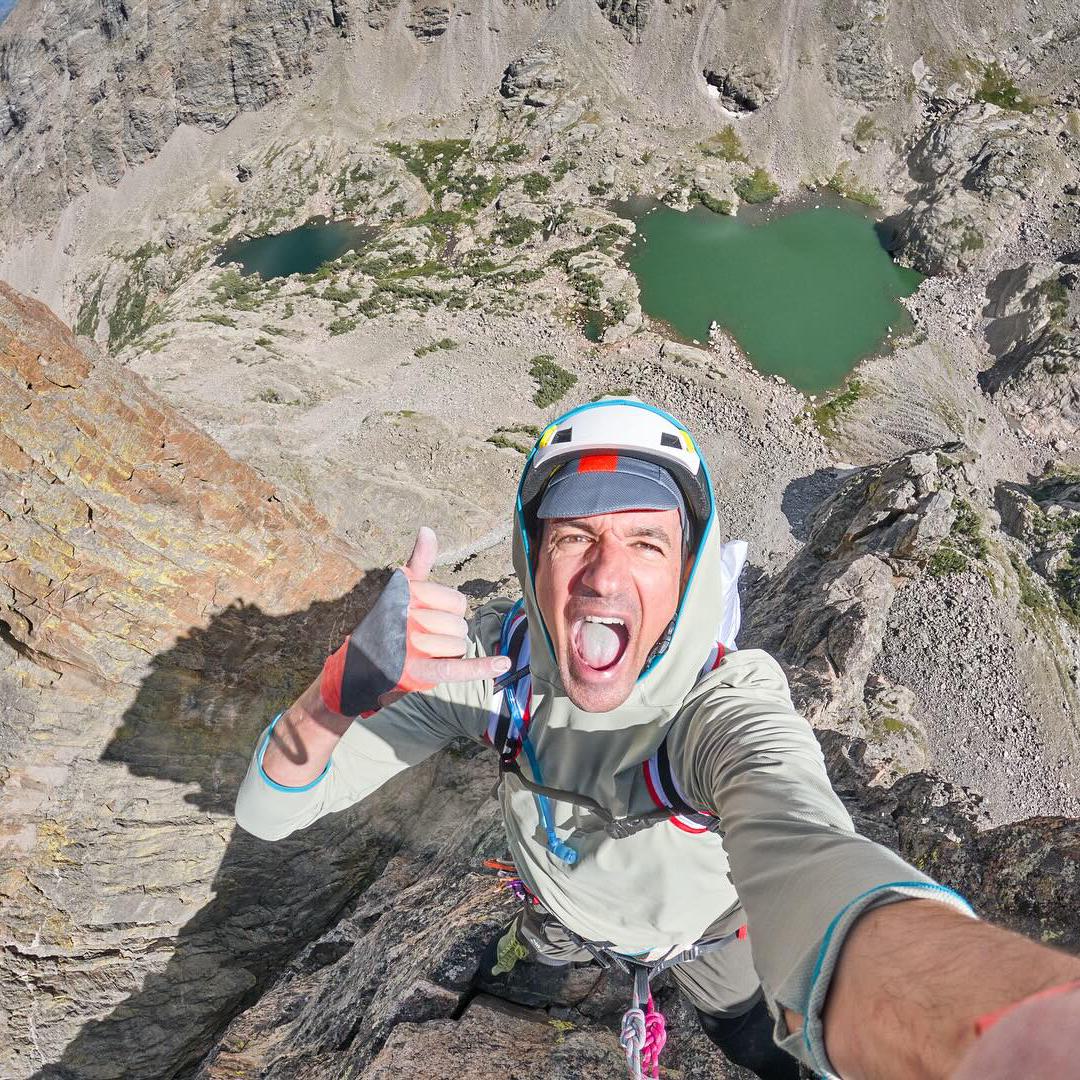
743, 87
1034, 334
535, 78
1045, 518
158, 602
630, 16
103, 87
428, 20
863, 67
974, 169
824, 615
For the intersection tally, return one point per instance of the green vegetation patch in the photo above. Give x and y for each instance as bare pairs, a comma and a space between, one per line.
758, 187
535, 184
515, 230
132, 314
710, 202
967, 530
971, 239
89, 311
725, 145
435, 164
552, 382
561, 168
339, 295
507, 151
865, 131
945, 561
430, 161
998, 88
217, 318
828, 415
433, 346
844, 184
243, 293
510, 438
1056, 295
341, 326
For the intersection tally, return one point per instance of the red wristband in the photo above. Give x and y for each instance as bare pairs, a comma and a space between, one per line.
985, 1022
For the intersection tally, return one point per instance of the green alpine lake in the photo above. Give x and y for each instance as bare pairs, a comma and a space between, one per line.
297, 251
806, 291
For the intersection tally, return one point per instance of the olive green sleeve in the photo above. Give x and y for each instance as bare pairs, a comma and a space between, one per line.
372, 750
801, 871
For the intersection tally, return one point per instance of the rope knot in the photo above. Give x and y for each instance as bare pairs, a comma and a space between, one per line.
632, 1040
643, 1037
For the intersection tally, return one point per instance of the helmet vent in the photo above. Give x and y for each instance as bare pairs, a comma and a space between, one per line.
563, 436
666, 439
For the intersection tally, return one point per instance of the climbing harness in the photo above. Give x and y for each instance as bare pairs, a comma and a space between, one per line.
643, 1032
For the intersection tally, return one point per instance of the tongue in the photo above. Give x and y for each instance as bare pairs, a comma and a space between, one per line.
599, 644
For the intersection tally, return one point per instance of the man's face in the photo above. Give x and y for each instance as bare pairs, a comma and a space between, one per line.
607, 586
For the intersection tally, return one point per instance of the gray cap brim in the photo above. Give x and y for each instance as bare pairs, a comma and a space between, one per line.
582, 494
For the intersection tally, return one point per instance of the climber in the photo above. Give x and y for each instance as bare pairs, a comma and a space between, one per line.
665, 805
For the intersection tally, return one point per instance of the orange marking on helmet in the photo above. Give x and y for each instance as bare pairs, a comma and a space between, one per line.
598, 463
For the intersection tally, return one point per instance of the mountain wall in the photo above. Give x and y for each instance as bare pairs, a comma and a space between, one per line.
158, 601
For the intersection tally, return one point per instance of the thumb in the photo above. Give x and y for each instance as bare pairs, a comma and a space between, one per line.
423, 555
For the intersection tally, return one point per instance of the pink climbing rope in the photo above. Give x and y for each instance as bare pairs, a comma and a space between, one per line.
655, 1039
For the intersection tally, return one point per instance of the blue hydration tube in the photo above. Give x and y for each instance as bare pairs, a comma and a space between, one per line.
557, 848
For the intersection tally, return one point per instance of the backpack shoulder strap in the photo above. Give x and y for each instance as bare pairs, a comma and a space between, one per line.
664, 789
665, 792
509, 713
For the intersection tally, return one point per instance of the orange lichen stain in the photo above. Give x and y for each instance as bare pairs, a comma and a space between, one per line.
52, 840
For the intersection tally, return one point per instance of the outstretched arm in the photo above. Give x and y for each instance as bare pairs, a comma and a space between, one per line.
911, 982
872, 969
362, 715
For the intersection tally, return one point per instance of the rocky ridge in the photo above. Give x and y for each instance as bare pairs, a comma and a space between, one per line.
157, 600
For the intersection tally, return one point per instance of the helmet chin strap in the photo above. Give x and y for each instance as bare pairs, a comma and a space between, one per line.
661, 645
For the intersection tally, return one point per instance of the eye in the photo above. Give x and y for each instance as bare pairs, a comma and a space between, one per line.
653, 549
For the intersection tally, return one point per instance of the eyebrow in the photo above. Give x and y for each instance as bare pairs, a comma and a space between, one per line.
653, 532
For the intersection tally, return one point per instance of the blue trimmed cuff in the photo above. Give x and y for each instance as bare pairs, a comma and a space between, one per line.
813, 1031
273, 783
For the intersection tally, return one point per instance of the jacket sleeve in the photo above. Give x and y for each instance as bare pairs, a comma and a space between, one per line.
373, 749
801, 871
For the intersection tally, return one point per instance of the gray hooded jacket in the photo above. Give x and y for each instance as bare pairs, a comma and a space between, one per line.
788, 855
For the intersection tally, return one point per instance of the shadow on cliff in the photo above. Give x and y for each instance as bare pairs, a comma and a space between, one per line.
194, 722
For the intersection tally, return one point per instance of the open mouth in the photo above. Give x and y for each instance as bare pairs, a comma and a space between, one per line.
600, 641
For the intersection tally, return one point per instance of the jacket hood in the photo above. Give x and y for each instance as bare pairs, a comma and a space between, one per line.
707, 613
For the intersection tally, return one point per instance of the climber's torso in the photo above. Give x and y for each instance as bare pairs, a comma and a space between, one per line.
644, 893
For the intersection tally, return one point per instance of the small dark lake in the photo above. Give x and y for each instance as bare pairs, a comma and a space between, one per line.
806, 292
297, 251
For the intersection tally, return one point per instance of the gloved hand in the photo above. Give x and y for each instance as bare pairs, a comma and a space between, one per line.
414, 638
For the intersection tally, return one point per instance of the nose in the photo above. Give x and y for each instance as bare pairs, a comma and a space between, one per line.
605, 569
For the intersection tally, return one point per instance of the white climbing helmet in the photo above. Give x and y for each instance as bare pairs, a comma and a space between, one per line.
619, 426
